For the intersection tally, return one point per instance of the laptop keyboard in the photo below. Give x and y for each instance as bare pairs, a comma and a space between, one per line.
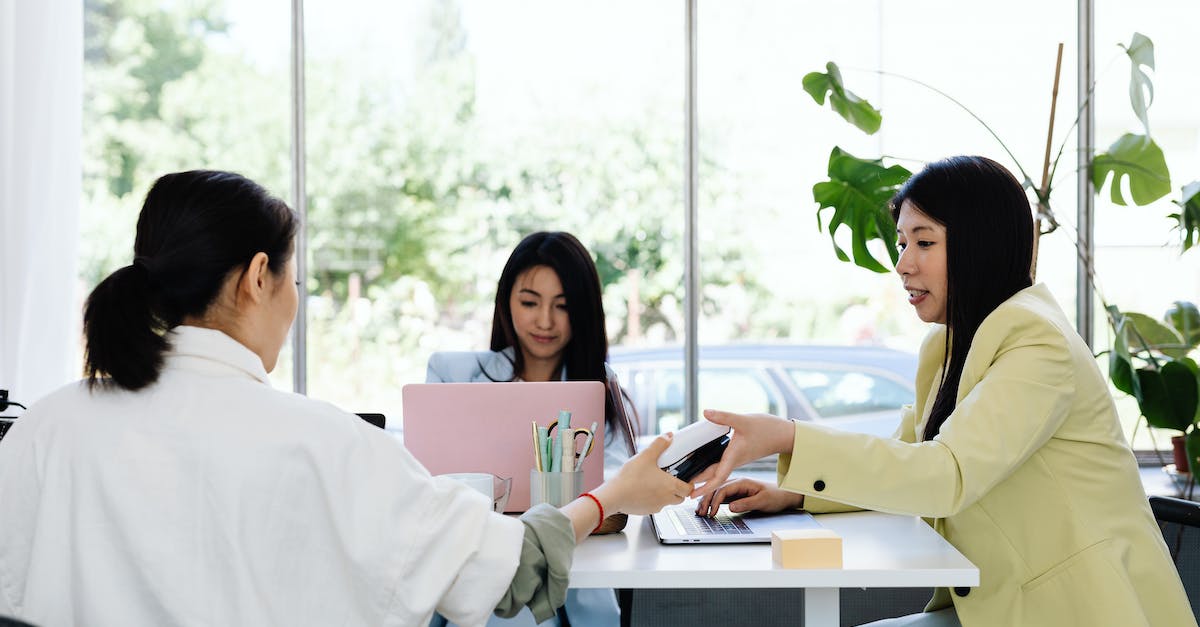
722, 524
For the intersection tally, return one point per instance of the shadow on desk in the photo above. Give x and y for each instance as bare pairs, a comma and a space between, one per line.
688, 608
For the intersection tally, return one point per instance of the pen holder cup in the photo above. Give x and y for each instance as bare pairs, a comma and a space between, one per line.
555, 488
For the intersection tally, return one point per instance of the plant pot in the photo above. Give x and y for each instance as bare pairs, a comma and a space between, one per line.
1192, 445
1178, 447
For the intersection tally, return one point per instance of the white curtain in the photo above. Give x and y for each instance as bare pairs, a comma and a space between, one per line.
41, 102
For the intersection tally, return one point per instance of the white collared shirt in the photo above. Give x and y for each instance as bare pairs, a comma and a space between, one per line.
209, 498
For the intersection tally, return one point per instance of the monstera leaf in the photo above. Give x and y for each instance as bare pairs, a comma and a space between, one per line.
1143, 333
1169, 395
853, 109
1120, 362
858, 191
1185, 318
1189, 215
1139, 159
1141, 90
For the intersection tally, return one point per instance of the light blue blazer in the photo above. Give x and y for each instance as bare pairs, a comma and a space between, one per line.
477, 367
472, 367
586, 607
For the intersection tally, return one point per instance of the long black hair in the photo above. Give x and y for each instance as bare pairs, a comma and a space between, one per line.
585, 354
194, 229
989, 251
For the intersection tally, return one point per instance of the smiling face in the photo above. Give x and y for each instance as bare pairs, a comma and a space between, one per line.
922, 262
539, 316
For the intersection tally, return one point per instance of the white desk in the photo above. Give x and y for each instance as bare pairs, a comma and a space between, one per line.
879, 551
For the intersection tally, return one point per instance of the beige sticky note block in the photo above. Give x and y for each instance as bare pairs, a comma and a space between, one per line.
806, 548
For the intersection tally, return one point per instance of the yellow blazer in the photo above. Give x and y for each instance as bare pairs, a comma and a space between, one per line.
1030, 478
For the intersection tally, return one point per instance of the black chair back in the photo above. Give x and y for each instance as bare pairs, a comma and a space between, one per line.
1180, 524
379, 420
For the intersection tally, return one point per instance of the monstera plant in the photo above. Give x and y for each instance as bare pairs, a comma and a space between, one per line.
1150, 358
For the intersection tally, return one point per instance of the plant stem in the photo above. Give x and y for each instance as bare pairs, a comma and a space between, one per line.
1078, 116
1043, 194
964, 107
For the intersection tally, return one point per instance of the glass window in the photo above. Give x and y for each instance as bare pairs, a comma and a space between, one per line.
1139, 266
172, 86
442, 132
769, 275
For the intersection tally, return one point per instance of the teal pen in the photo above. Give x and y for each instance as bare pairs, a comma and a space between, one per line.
543, 452
566, 437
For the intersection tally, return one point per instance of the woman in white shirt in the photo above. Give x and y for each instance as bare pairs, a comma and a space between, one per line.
175, 486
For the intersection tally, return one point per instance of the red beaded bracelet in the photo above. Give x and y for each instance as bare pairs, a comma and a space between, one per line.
598, 506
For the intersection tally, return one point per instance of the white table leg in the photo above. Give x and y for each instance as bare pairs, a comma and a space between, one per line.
821, 607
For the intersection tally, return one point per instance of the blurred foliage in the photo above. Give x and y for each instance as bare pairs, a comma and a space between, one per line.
412, 208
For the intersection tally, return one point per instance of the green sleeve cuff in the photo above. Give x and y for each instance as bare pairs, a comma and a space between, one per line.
545, 567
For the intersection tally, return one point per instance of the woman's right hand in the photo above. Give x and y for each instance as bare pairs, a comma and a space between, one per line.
640, 486
746, 495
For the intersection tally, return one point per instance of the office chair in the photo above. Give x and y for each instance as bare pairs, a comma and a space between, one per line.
379, 420
1180, 524
6, 421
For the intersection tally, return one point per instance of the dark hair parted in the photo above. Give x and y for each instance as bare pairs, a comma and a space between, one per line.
585, 354
989, 252
194, 229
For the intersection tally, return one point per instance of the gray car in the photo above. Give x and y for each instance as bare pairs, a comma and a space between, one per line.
853, 388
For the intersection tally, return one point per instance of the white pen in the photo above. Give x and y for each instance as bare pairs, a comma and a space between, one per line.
587, 442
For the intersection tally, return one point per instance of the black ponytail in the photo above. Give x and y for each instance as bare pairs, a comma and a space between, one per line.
194, 228
124, 338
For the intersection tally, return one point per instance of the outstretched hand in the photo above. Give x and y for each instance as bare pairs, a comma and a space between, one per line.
754, 436
641, 487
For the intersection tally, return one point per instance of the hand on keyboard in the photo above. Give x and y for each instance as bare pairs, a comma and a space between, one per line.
746, 495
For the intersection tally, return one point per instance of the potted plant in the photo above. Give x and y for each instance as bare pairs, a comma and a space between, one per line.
1149, 359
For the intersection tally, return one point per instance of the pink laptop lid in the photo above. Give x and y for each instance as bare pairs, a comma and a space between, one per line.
487, 427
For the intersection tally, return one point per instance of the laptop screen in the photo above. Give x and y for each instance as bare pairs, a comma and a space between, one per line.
623, 419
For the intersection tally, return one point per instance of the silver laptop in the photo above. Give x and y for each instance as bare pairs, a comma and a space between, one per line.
679, 524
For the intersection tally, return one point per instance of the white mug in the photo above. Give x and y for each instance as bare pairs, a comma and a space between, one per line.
495, 488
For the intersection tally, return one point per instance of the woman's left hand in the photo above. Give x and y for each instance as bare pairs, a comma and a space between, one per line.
746, 495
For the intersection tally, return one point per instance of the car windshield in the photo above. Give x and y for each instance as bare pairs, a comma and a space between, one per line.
835, 393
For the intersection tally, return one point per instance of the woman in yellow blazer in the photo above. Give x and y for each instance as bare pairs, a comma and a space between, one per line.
1012, 450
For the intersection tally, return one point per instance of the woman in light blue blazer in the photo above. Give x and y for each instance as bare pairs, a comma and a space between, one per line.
548, 325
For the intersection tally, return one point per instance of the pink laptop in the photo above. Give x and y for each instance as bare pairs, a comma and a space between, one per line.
487, 427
